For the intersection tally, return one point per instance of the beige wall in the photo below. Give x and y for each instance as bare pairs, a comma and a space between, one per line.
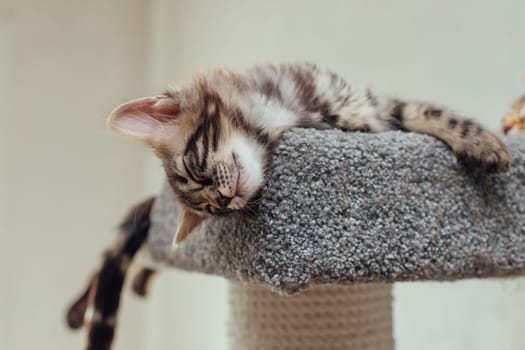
64, 182
4, 259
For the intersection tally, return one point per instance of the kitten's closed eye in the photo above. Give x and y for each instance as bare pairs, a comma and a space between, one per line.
206, 182
197, 189
195, 186
180, 179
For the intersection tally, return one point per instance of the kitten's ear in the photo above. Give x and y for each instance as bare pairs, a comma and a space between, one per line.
142, 118
188, 223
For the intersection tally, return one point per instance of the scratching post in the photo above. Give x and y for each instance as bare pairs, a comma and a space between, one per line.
324, 317
342, 216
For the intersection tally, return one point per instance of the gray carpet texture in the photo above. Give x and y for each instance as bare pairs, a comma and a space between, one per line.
354, 207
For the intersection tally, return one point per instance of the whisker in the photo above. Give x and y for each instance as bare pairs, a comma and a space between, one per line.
253, 214
255, 201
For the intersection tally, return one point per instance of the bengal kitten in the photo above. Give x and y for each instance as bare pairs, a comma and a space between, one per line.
514, 121
215, 135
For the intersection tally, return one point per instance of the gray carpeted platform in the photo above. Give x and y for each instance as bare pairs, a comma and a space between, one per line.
353, 207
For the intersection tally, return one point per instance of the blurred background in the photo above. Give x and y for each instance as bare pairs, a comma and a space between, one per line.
65, 182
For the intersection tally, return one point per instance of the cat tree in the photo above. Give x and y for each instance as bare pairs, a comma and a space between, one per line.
342, 218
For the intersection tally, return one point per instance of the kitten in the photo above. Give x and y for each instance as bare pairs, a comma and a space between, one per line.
514, 121
215, 135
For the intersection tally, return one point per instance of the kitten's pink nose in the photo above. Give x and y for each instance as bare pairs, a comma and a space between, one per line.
223, 200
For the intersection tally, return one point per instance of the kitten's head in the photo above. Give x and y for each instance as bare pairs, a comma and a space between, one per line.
213, 159
514, 122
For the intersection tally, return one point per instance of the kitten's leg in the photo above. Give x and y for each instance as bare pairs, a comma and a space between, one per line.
475, 147
99, 304
76, 312
142, 280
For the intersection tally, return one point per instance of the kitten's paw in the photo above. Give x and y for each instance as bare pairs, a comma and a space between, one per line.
75, 314
484, 153
141, 281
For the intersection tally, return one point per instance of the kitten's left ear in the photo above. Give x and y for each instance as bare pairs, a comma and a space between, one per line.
188, 222
144, 117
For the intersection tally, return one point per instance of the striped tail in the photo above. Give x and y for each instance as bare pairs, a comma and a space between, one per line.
97, 306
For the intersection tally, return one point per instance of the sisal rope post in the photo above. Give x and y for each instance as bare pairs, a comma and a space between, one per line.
357, 317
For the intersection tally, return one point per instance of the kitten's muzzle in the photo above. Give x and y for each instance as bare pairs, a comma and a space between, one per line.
226, 177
